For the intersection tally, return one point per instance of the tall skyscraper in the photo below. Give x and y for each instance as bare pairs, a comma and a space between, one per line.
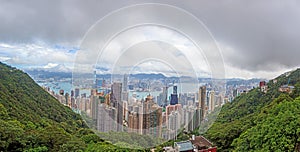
212, 101
134, 119
116, 102
94, 107
125, 83
106, 118
72, 93
202, 101
76, 92
152, 118
164, 98
72, 102
67, 99
125, 88
95, 80
174, 96
197, 118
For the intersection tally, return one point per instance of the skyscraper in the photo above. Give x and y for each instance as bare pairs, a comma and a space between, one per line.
116, 102
76, 92
67, 99
106, 118
174, 96
134, 120
95, 80
212, 101
94, 107
72, 93
164, 99
125, 83
125, 88
152, 118
202, 101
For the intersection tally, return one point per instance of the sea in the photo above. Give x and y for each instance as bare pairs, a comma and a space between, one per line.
67, 87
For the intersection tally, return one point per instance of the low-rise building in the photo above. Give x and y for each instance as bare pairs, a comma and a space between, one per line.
286, 88
195, 144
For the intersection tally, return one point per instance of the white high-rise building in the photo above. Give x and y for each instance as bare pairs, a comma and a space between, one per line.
212, 101
106, 118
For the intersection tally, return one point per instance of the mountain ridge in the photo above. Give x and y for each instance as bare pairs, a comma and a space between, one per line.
246, 113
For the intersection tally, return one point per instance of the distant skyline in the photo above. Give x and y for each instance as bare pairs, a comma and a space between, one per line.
258, 39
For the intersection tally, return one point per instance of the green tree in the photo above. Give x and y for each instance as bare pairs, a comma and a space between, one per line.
279, 131
11, 137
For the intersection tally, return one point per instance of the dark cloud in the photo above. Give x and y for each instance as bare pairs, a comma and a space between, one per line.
261, 33
52, 21
253, 35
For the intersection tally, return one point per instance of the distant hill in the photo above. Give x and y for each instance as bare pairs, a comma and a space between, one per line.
32, 120
44, 74
259, 121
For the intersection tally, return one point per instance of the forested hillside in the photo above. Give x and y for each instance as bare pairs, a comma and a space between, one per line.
32, 120
258, 121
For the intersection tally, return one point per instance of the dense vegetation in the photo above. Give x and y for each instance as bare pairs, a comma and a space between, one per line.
277, 129
259, 121
32, 120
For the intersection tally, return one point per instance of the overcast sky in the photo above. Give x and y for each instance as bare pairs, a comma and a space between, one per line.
257, 38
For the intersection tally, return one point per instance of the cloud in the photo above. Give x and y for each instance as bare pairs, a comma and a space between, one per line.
50, 65
262, 36
35, 55
256, 38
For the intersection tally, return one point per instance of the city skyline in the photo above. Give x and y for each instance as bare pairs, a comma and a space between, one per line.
148, 75
113, 109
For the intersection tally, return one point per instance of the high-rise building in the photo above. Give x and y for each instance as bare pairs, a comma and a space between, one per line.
107, 99
94, 107
151, 118
173, 124
72, 102
171, 108
125, 88
164, 98
125, 95
212, 101
116, 102
219, 100
106, 118
156, 121
197, 118
67, 97
202, 101
189, 114
125, 110
174, 96
76, 92
72, 93
125, 83
95, 80
134, 119
235, 93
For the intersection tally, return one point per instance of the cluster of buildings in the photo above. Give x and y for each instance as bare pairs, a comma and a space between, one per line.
112, 109
286, 88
